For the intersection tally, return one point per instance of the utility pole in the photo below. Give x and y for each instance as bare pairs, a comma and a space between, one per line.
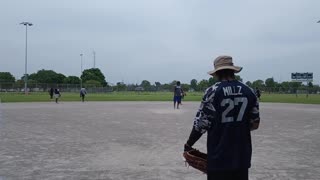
81, 71
94, 59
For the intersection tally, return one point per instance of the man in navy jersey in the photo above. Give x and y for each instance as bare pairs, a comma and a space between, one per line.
228, 112
177, 95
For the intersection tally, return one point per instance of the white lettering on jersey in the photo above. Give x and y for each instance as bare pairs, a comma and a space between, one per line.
232, 90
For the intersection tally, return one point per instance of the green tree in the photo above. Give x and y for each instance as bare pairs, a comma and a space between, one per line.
270, 83
47, 77
7, 77
94, 74
121, 86
310, 87
158, 85
194, 84
146, 85
59, 78
72, 80
203, 85
19, 83
166, 87
238, 78
32, 76
295, 86
277, 87
290, 87
212, 81
185, 87
315, 89
130, 87
153, 88
248, 83
6, 80
285, 84
173, 83
32, 83
92, 83
284, 87
258, 84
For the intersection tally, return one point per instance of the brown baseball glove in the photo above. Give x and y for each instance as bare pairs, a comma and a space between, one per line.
196, 159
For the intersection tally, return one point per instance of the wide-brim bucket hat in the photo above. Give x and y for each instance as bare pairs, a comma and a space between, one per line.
224, 62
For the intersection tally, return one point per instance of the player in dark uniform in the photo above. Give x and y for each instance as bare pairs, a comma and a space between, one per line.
51, 93
228, 112
177, 95
57, 94
83, 93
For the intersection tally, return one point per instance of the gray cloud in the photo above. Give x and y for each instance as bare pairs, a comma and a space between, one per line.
162, 40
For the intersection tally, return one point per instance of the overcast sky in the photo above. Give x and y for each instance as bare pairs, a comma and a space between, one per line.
162, 40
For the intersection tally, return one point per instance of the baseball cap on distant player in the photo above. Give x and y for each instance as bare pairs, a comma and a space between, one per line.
224, 62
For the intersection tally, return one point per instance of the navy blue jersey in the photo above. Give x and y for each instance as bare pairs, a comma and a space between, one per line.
56, 91
178, 91
226, 112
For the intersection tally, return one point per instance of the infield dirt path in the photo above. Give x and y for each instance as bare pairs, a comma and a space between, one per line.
143, 140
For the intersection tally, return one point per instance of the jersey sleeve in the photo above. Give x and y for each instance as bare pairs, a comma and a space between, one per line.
206, 112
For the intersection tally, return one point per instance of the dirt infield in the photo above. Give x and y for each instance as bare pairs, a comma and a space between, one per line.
143, 140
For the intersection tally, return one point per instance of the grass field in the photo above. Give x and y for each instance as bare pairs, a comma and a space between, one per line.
112, 96
149, 96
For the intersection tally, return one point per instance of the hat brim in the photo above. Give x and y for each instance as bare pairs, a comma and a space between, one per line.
236, 69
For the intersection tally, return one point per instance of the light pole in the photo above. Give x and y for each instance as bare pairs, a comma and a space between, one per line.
81, 71
94, 59
26, 58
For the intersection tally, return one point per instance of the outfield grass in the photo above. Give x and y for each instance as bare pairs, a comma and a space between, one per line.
148, 96
112, 96
291, 98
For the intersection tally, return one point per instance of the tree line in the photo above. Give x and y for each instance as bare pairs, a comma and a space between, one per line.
267, 86
270, 85
89, 77
95, 78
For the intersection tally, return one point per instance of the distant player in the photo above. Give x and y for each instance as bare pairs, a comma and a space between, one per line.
83, 93
177, 95
228, 112
57, 94
51, 93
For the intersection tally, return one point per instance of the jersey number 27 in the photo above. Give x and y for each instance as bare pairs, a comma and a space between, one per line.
231, 104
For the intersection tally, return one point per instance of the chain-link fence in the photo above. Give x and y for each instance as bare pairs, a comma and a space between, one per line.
92, 88
291, 90
40, 87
